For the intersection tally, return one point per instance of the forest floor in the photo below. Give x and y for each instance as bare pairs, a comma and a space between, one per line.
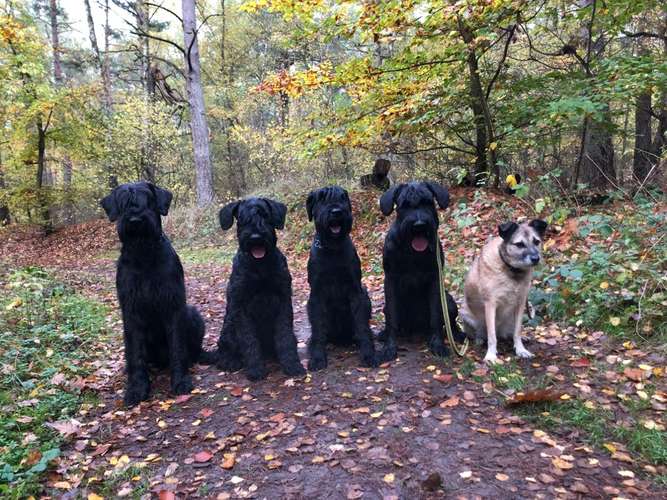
418, 427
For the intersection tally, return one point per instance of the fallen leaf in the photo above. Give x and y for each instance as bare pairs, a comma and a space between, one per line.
229, 460
634, 374
450, 403
502, 477
389, 478
561, 464
203, 456
536, 396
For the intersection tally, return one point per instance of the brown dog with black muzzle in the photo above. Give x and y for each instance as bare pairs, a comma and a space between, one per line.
497, 285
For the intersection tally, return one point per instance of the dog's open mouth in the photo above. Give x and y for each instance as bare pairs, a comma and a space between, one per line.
419, 243
335, 228
258, 251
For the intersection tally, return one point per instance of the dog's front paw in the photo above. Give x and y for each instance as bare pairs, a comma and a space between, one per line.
256, 373
389, 353
438, 348
136, 393
522, 352
294, 370
229, 364
183, 385
317, 362
491, 357
369, 359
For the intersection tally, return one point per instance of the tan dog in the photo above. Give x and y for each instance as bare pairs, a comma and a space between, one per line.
496, 287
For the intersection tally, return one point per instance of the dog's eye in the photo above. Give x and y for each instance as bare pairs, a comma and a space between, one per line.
520, 244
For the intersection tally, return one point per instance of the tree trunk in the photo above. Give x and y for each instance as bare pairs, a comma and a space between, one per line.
45, 216
4, 209
485, 155
58, 78
642, 159
198, 126
597, 162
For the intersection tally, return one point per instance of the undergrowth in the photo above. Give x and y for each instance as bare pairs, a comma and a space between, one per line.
47, 337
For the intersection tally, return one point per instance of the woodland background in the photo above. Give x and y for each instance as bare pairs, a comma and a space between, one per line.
220, 99
217, 99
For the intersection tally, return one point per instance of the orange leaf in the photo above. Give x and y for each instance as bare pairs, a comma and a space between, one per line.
537, 396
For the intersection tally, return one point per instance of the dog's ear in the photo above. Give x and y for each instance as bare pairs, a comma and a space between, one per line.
163, 198
388, 198
538, 225
110, 206
227, 214
440, 193
310, 203
278, 213
506, 230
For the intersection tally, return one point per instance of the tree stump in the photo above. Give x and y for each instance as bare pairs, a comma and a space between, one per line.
379, 178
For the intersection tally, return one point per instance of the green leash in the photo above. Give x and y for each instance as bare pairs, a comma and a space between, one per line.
443, 302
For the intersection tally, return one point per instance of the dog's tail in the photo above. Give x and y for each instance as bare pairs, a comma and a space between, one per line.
194, 324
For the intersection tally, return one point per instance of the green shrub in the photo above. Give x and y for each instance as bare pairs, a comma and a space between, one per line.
614, 277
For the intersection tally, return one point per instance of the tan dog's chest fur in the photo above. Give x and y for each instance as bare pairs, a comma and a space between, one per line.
496, 291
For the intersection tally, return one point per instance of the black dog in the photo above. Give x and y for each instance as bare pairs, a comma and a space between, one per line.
258, 319
159, 328
411, 282
338, 307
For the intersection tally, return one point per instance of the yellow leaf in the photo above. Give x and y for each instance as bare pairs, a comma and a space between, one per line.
493, 146
389, 478
14, 304
610, 447
93, 496
161, 424
561, 464
615, 321
604, 285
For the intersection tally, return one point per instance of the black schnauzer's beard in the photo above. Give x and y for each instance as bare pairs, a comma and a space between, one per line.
420, 240
145, 229
334, 228
258, 251
257, 248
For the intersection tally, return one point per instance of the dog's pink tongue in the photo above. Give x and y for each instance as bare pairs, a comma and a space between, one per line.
419, 243
335, 229
258, 251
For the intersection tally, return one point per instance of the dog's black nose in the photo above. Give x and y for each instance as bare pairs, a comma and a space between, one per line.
420, 224
255, 236
535, 259
336, 211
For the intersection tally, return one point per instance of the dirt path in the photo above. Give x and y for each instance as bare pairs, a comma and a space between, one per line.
416, 428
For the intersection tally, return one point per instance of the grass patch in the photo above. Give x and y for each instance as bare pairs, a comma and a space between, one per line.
206, 255
48, 333
132, 477
508, 376
598, 426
